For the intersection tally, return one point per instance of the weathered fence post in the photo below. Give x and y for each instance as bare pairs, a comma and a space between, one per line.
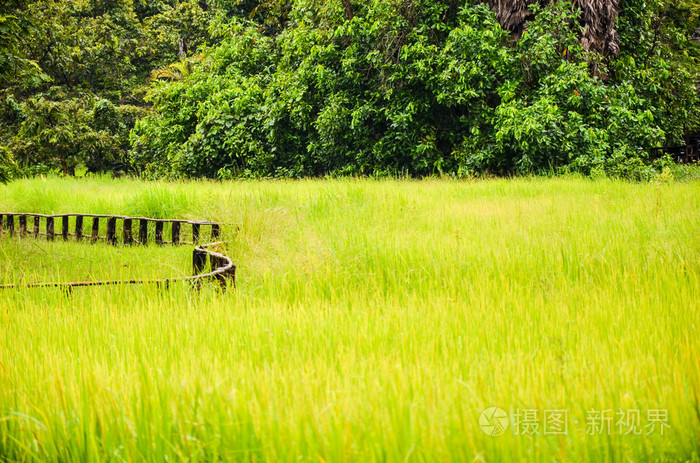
64, 228
195, 233
37, 223
199, 260
231, 274
128, 238
78, 227
10, 224
2, 220
216, 263
143, 231
215, 231
159, 232
176, 233
22, 225
49, 228
95, 229
112, 230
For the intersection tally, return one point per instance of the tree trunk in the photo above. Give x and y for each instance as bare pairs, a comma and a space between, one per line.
182, 47
348, 9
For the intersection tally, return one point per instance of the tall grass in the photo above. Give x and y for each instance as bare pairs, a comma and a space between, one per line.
159, 201
373, 321
29, 260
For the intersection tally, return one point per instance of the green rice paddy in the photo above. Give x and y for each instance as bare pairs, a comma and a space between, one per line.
373, 320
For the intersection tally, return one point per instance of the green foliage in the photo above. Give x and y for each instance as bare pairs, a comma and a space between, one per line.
177, 138
95, 57
659, 59
61, 133
561, 115
291, 88
5, 164
14, 24
419, 87
312, 101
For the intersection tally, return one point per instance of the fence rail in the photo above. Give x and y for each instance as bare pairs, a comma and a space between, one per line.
220, 267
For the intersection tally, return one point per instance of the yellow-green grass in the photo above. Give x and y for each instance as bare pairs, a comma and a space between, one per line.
33, 261
373, 321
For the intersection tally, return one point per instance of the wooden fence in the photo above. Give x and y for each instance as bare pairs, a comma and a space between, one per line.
73, 226
687, 153
204, 257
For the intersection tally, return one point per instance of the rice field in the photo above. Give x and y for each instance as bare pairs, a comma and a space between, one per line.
511, 320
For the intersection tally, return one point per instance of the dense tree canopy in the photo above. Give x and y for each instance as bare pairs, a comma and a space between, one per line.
424, 87
86, 58
311, 87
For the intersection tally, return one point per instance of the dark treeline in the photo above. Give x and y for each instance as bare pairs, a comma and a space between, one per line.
74, 75
309, 87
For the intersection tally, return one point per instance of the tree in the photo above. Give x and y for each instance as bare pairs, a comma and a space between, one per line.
62, 133
661, 61
14, 66
88, 51
15, 23
5, 164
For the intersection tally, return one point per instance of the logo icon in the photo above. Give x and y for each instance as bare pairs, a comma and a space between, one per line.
493, 421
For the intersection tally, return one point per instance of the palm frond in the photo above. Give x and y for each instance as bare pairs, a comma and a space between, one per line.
598, 19
172, 72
